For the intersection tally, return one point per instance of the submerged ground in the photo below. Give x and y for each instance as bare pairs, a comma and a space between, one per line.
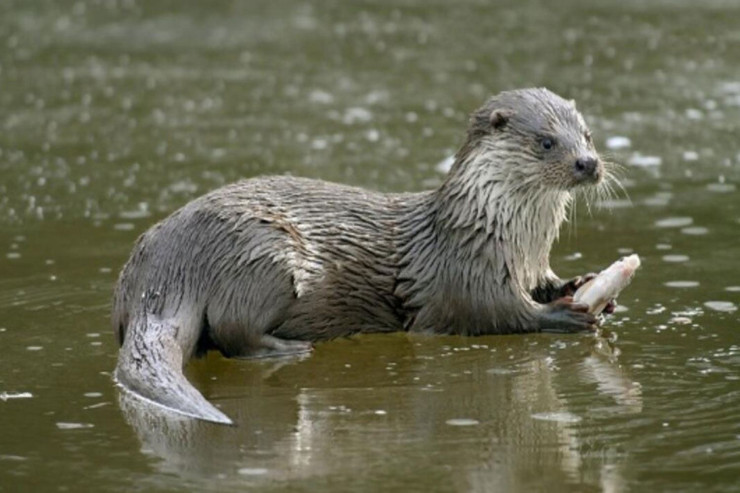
114, 113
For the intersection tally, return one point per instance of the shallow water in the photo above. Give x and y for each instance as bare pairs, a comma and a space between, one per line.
114, 113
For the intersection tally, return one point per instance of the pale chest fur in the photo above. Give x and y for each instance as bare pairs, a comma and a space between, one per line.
526, 226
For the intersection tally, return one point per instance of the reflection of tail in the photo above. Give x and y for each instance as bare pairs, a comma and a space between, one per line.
150, 366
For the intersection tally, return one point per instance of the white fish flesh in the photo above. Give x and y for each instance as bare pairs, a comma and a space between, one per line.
603, 288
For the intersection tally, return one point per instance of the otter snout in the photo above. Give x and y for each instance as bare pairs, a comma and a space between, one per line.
587, 169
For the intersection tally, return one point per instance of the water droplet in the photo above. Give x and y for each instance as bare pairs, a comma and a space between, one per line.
644, 161
681, 284
560, 417
721, 306
675, 258
445, 165
253, 471
721, 187
462, 422
74, 426
4, 396
695, 231
674, 222
618, 142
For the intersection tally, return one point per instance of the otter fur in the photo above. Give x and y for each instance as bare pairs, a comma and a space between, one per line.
268, 265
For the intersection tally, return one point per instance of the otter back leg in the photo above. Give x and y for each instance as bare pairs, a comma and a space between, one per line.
245, 308
272, 347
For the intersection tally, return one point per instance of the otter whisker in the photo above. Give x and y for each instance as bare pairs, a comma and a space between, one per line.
611, 179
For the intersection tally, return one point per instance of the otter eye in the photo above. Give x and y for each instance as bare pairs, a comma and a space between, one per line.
587, 134
547, 143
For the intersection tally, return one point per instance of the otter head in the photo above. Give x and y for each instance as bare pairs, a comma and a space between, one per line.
531, 138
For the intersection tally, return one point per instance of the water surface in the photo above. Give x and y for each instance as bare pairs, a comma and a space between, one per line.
115, 113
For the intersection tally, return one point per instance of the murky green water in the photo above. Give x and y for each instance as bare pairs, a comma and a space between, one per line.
114, 113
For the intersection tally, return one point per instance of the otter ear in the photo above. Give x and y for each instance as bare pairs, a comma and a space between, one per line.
500, 117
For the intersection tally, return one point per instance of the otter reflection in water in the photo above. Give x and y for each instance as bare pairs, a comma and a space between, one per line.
266, 266
383, 420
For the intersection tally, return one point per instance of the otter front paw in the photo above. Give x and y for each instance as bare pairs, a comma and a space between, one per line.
565, 316
570, 287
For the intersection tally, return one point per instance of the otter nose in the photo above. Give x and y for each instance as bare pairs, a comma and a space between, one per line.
587, 167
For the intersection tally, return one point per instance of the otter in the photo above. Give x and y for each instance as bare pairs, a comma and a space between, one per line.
269, 265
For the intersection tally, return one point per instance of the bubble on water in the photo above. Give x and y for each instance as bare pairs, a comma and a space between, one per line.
319, 144
124, 226
357, 114
721, 187
680, 320
659, 199
500, 371
721, 306
93, 394
614, 204
574, 256
694, 114
74, 426
618, 142
445, 165
674, 222
644, 161
656, 310
695, 231
675, 258
681, 284
380, 412
135, 214
690, 156
560, 417
14, 458
462, 422
34, 348
6, 396
320, 97
663, 246
253, 471
733, 289
13, 255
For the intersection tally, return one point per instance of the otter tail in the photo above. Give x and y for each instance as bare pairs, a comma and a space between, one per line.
150, 366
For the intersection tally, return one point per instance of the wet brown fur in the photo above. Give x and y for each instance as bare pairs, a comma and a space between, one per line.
278, 259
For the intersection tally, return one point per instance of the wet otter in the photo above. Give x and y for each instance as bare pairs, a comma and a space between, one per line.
267, 265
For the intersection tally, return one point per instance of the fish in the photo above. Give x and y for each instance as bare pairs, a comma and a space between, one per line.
607, 284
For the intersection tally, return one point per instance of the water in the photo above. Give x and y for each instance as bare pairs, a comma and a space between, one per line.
114, 113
